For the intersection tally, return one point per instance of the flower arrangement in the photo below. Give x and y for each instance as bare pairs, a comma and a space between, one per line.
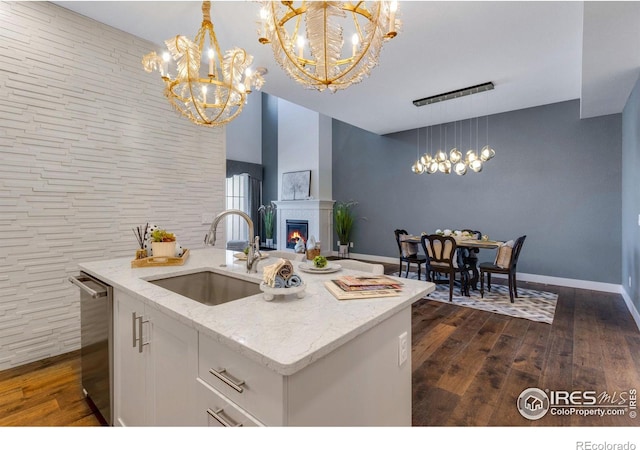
343, 219
162, 236
453, 233
268, 213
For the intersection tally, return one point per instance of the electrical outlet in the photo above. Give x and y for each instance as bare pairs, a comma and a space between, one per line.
403, 348
629, 280
639, 220
351, 244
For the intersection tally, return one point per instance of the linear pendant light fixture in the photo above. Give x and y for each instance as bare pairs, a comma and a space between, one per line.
441, 162
455, 94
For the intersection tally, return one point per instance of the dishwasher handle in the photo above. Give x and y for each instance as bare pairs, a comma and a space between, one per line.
78, 281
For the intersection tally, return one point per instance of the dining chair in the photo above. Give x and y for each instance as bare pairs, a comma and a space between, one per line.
409, 254
444, 258
505, 263
376, 269
470, 256
291, 256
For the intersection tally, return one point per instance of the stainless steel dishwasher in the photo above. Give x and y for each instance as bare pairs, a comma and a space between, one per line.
96, 341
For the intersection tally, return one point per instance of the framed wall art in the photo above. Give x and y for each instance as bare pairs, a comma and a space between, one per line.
296, 185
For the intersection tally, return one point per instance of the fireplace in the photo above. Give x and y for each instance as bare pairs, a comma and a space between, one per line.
297, 229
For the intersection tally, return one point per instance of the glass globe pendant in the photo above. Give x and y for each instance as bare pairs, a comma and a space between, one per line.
455, 156
487, 153
460, 168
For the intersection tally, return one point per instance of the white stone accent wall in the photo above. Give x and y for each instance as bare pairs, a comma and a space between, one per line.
89, 149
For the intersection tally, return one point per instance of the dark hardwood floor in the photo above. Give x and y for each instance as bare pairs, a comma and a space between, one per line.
469, 366
45, 393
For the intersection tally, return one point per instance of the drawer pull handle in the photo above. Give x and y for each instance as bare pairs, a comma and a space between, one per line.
137, 339
223, 376
225, 422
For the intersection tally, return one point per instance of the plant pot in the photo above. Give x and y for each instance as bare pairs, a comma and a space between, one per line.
160, 249
269, 242
343, 250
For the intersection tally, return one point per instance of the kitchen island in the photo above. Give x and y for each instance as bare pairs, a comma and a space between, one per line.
309, 361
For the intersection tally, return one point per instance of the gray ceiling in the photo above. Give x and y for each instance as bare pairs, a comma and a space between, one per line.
535, 53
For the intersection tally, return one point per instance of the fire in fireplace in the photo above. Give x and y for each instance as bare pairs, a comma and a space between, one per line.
296, 229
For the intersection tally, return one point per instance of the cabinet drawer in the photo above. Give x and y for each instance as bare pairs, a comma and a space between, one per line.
249, 385
216, 411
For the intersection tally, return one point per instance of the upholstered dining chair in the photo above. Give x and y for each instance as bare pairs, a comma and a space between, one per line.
409, 254
444, 258
505, 263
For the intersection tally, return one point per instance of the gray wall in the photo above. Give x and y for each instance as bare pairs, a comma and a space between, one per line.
555, 178
631, 195
270, 152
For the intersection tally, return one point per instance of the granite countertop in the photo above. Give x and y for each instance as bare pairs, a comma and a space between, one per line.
285, 334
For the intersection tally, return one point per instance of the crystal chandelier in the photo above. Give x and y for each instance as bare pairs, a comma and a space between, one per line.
308, 39
454, 161
217, 95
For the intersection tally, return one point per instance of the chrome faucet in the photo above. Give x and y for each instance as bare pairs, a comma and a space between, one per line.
254, 247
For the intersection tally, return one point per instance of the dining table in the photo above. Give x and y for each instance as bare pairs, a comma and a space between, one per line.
467, 242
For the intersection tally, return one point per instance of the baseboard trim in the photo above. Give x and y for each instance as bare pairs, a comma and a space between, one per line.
542, 279
632, 308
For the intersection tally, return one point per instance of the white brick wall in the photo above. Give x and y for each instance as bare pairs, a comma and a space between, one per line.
89, 149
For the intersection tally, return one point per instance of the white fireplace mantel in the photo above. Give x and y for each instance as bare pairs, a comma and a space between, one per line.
319, 214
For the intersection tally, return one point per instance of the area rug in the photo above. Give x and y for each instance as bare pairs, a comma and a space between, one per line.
539, 306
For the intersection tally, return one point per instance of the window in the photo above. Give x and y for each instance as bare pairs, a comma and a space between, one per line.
243, 192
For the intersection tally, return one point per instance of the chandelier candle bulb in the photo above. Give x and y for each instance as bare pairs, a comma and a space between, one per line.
211, 54
354, 44
300, 44
393, 7
165, 64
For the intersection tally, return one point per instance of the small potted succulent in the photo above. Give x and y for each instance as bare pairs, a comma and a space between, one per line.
163, 243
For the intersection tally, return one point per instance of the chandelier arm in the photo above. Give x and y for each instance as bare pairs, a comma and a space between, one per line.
363, 52
282, 42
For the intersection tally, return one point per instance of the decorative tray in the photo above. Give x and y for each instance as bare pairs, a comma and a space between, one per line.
270, 293
157, 261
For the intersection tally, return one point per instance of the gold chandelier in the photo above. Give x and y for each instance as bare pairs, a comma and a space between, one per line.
307, 39
216, 97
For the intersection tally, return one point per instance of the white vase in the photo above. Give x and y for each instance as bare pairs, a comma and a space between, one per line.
343, 250
269, 243
163, 249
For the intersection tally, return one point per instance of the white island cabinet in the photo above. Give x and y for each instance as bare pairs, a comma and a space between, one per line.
155, 359
311, 361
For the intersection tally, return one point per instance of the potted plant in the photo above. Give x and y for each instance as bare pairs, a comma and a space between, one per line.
268, 216
163, 243
343, 219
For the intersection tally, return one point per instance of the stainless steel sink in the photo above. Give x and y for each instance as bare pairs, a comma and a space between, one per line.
209, 288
